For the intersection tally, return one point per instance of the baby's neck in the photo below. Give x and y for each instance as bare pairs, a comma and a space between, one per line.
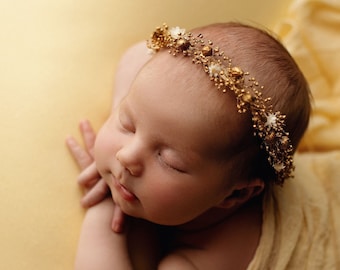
217, 238
210, 218
215, 216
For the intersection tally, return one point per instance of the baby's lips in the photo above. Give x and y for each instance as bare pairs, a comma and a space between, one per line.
126, 194
123, 191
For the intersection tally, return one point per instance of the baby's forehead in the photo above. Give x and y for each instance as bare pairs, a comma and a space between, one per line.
216, 110
165, 63
179, 72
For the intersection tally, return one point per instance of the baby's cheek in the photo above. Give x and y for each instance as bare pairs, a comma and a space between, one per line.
104, 141
102, 151
168, 208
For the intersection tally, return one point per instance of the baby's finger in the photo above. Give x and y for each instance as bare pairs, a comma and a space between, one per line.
81, 156
88, 175
118, 220
89, 135
95, 195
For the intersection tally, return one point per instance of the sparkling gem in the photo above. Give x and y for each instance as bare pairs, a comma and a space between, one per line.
247, 98
207, 51
183, 44
236, 72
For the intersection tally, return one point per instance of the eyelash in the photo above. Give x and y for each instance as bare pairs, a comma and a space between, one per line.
168, 165
127, 127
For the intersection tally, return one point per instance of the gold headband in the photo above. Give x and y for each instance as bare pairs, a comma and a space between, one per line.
268, 125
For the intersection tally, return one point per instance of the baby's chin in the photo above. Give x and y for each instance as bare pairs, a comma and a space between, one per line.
156, 219
167, 220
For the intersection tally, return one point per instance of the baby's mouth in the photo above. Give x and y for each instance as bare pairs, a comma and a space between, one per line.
123, 191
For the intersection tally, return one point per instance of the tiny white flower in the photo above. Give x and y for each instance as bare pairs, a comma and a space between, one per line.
214, 69
150, 51
177, 32
278, 167
271, 120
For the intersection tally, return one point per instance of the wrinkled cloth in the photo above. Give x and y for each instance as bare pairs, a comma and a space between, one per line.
301, 221
311, 33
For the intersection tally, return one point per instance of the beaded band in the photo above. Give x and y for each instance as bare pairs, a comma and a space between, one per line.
268, 125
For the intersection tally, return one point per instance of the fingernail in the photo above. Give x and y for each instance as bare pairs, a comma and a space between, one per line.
116, 227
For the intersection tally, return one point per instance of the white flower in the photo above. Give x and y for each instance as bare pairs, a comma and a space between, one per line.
278, 167
271, 120
150, 51
214, 69
177, 32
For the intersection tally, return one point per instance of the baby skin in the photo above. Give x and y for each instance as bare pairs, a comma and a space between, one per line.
169, 155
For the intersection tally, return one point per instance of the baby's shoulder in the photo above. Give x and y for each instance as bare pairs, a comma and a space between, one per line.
230, 244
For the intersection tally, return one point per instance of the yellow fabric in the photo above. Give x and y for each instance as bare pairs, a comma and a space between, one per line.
301, 227
311, 32
57, 64
57, 60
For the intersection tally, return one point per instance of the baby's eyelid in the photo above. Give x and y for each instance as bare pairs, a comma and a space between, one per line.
169, 165
126, 123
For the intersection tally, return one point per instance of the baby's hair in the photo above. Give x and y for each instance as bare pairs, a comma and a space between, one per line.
267, 59
258, 52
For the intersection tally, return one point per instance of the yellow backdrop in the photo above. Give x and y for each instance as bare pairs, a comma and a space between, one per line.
57, 60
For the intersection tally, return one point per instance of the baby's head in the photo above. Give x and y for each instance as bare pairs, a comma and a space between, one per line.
176, 146
245, 49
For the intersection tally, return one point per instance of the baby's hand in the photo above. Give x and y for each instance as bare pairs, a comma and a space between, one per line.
95, 187
118, 220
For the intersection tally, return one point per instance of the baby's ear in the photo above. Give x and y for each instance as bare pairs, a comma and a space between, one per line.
243, 193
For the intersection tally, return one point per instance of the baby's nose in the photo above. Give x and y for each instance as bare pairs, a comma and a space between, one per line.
130, 160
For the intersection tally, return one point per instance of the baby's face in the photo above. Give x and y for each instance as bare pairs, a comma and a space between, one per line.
156, 150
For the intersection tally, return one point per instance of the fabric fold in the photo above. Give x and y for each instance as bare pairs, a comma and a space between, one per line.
311, 33
301, 221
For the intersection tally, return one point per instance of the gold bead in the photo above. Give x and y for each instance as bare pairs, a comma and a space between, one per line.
183, 44
236, 72
270, 137
285, 142
207, 51
247, 98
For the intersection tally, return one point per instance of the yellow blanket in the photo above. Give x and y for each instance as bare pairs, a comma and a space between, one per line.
301, 227
57, 60
311, 32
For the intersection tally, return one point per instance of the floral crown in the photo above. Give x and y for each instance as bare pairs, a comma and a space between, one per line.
268, 125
